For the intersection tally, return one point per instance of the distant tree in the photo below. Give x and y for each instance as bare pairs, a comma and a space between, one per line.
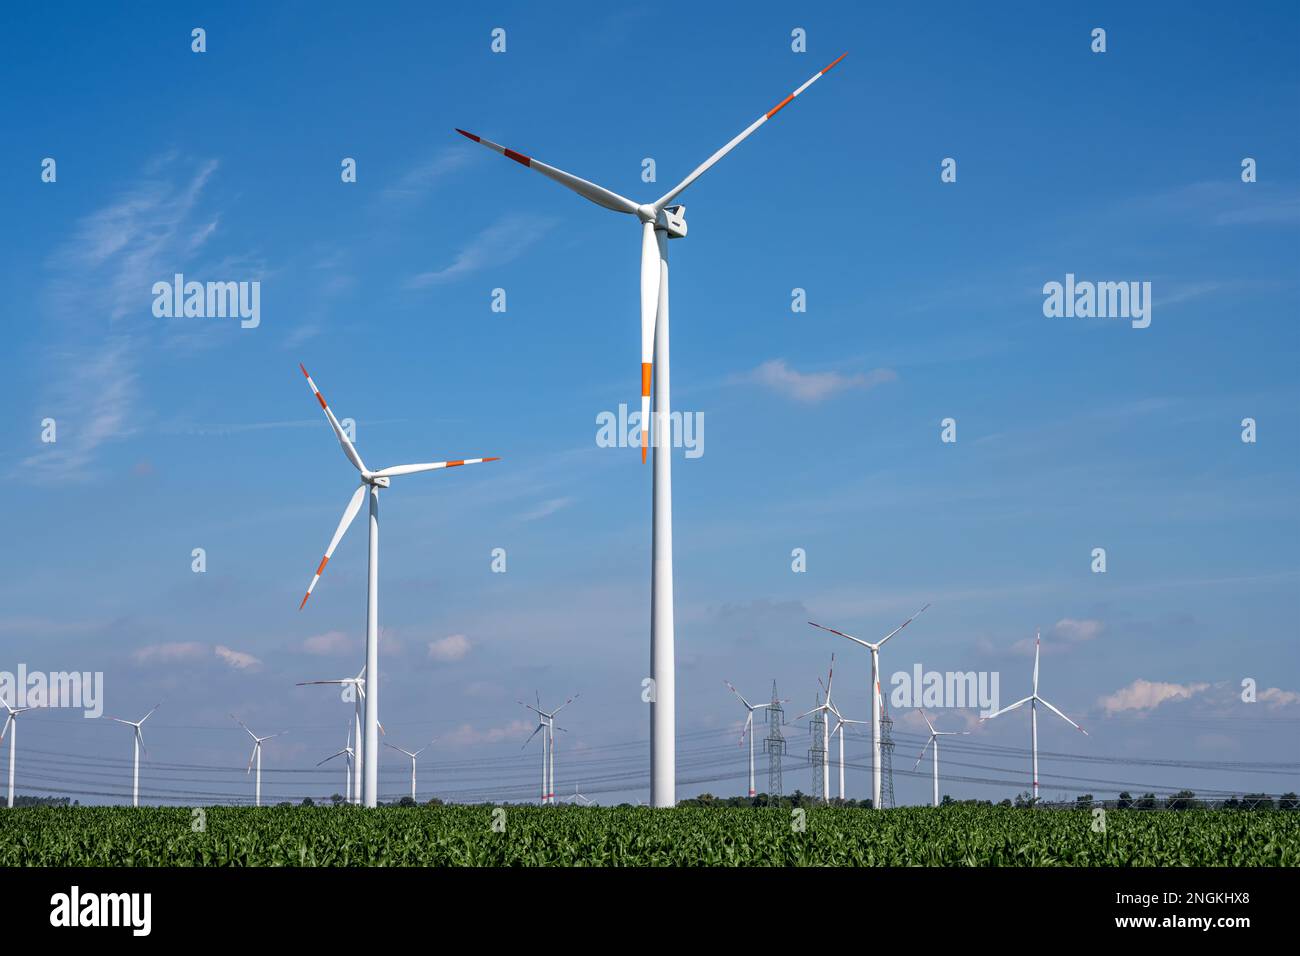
1148, 802
947, 800
336, 799
308, 802
407, 801
1083, 802
284, 803
1025, 799
1183, 800
1257, 801
20, 801
433, 802
1125, 801
1288, 801
1005, 802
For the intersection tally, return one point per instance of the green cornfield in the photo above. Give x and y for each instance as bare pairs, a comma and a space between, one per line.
639, 836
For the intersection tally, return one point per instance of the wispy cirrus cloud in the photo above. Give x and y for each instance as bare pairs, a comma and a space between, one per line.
546, 508
502, 242
169, 652
422, 178
811, 387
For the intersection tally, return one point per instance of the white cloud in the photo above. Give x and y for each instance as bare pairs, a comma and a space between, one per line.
1075, 630
467, 735
451, 648
169, 652
1144, 695
496, 245
239, 660
812, 386
546, 509
423, 177
331, 642
1276, 697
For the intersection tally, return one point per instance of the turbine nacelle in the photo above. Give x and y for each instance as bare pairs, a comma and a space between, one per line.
672, 220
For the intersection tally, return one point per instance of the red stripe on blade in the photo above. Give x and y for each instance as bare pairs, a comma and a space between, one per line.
453, 464
304, 369
519, 157
837, 60
323, 561
476, 139
321, 398
779, 106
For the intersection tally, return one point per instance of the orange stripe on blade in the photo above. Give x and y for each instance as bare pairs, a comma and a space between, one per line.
779, 106
492, 459
304, 600
304, 369
321, 398
453, 464
837, 60
323, 561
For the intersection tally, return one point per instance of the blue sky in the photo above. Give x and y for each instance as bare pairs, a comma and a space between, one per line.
821, 428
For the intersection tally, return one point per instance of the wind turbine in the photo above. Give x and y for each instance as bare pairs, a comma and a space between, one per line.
11, 727
934, 739
371, 482
825, 710
659, 223
875, 696
256, 756
412, 756
139, 746
840, 722
358, 685
1034, 700
546, 722
349, 754
749, 727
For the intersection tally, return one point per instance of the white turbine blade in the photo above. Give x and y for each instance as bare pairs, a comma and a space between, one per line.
341, 435
310, 683
1008, 709
398, 470
830, 679
535, 710
565, 704
6, 703
816, 710
923, 750
668, 197
349, 514
650, 267
150, 714
399, 749
332, 756
256, 745
927, 720
139, 736
732, 688
1038, 640
749, 720
881, 642
1062, 716
8, 720
244, 725
129, 723
840, 633
587, 190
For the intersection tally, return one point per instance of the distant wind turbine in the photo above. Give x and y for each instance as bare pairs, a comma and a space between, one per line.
934, 739
358, 685
1034, 700
546, 723
825, 710
875, 696
349, 754
257, 757
139, 746
11, 728
749, 728
412, 756
840, 723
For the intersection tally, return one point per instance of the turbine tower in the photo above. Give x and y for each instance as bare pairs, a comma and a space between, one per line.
749, 729
934, 739
659, 223
139, 746
371, 482
11, 728
875, 696
1034, 700
841, 722
349, 755
774, 745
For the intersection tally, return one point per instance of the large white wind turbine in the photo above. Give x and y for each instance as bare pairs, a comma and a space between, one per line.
349, 755
358, 685
139, 746
1034, 700
659, 223
11, 728
840, 723
256, 756
749, 728
371, 482
826, 710
412, 756
875, 697
934, 739
546, 723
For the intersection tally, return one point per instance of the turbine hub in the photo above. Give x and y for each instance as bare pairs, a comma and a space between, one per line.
375, 482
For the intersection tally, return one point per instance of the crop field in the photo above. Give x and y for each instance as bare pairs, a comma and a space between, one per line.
638, 836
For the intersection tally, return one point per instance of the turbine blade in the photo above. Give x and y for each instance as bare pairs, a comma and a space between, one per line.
587, 190
349, 515
332, 756
881, 642
1008, 709
531, 736
668, 197
250, 758
348, 448
732, 688
1038, 640
139, 735
398, 470
565, 704
148, 715
927, 720
650, 267
1063, 717
749, 720
923, 750
840, 633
